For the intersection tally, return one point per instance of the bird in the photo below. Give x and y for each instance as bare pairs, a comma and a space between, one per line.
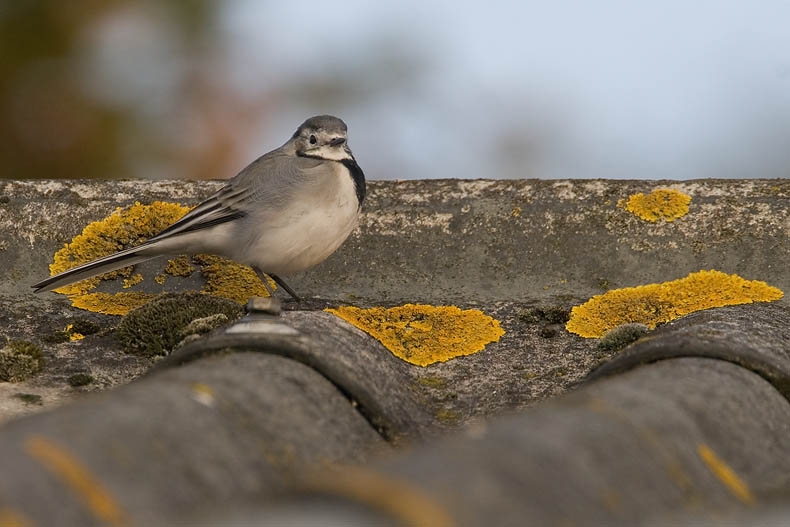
286, 212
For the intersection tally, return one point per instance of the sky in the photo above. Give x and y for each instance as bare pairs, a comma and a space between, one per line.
620, 89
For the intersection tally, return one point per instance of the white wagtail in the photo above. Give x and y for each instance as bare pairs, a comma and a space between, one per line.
285, 212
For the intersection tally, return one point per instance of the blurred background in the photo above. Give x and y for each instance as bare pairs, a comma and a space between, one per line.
567, 89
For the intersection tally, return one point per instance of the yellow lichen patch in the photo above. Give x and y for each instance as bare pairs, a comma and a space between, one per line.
661, 204
73, 335
227, 279
12, 518
129, 227
401, 499
655, 304
726, 474
204, 394
78, 478
132, 280
123, 228
423, 334
179, 266
111, 304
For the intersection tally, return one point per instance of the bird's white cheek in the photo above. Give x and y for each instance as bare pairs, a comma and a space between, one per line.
331, 153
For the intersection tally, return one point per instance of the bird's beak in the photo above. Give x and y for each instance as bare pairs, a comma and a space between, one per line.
337, 141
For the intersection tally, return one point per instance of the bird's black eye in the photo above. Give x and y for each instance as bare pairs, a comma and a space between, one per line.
312, 139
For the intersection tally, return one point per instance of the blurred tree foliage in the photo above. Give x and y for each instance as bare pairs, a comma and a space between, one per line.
54, 125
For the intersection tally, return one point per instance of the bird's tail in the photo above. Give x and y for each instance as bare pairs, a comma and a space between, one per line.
107, 264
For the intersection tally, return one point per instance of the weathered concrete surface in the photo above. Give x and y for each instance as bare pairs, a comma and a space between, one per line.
236, 432
461, 240
212, 431
241, 425
500, 246
755, 337
683, 437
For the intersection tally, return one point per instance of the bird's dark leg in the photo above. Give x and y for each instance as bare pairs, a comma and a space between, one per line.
263, 278
279, 282
285, 286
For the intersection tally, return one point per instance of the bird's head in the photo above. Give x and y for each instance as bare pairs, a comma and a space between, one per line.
323, 137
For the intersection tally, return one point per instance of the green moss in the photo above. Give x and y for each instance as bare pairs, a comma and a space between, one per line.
551, 314
550, 318
531, 315
201, 326
85, 326
448, 416
80, 379
20, 359
156, 327
549, 331
29, 398
432, 382
79, 326
56, 337
622, 336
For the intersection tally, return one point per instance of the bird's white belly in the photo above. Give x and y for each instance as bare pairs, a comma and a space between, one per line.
307, 231
303, 243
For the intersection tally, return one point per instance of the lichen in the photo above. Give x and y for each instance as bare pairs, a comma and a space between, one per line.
655, 304
121, 229
448, 416
424, 334
179, 266
129, 227
132, 280
77, 330
156, 327
661, 204
433, 382
726, 474
227, 279
111, 304
20, 359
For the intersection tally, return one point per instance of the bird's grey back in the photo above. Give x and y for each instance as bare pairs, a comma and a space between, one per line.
276, 176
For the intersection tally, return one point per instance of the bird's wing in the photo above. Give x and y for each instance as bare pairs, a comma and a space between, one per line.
265, 183
217, 208
264, 186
